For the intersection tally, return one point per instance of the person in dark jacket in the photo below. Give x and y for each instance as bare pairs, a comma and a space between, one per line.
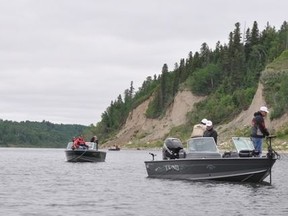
210, 132
258, 129
94, 139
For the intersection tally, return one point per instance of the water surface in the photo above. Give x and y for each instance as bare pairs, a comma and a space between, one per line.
40, 182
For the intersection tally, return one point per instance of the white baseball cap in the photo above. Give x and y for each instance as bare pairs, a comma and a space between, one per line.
204, 121
264, 109
209, 123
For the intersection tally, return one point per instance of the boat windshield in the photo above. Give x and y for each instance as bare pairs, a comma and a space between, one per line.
69, 146
202, 144
243, 143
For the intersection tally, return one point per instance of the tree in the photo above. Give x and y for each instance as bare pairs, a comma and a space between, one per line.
236, 58
163, 86
205, 54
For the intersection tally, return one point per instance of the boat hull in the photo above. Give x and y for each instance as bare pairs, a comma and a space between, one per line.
82, 155
224, 169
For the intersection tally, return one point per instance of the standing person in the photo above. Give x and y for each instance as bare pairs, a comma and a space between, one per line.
95, 140
210, 132
198, 129
258, 129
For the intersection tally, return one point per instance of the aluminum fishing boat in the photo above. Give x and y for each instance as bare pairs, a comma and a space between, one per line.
203, 161
87, 152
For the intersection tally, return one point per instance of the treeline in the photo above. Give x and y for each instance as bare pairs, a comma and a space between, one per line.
37, 134
228, 75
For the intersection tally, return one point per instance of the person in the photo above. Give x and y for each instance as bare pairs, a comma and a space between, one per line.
210, 131
76, 143
79, 142
94, 139
258, 129
198, 129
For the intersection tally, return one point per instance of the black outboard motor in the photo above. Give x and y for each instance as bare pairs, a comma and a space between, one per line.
172, 149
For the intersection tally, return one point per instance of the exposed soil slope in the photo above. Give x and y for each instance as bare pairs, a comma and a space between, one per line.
138, 127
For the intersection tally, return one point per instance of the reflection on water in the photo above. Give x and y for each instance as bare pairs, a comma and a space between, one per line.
40, 182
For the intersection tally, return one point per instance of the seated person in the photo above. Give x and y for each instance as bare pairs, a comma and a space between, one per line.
79, 142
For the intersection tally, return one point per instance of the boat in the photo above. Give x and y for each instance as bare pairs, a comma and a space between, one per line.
87, 152
202, 160
114, 148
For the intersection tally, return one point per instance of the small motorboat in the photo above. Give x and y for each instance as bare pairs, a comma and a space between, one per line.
114, 148
87, 152
203, 161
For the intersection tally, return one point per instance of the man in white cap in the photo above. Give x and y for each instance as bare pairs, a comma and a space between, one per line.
199, 129
259, 130
210, 132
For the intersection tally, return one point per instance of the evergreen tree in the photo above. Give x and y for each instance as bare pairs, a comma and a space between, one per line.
237, 59
283, 34
205, 54
163, 97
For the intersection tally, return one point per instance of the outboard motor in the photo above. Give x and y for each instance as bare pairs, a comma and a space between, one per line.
172, 149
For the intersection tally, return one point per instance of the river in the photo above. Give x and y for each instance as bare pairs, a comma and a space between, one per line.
39, 182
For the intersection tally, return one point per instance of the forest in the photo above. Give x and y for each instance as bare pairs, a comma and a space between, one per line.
37, 134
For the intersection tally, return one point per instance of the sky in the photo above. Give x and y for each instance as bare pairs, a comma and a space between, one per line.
64, 61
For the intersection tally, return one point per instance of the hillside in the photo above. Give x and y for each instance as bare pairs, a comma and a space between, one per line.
244, 118
236, 79
138, 127
144, 130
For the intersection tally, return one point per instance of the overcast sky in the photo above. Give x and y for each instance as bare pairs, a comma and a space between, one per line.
64, 61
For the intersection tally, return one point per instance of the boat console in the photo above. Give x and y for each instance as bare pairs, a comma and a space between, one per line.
243, 147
